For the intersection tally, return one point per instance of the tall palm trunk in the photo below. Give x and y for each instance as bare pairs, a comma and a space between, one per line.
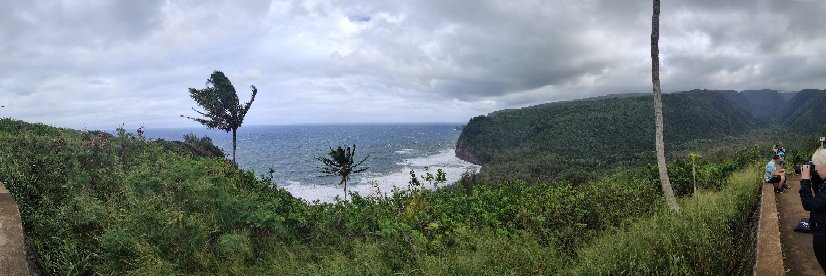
234, 143
694, 176
658, 109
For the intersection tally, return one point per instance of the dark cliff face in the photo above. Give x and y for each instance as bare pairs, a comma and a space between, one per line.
462, 152
472, 138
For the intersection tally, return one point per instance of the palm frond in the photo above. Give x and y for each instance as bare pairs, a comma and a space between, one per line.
339, 161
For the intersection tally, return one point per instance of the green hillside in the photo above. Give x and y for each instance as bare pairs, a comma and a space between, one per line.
764, 104
95, 203
805, 112
577, 140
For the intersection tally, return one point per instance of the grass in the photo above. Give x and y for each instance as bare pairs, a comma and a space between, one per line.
94, 203
711, 236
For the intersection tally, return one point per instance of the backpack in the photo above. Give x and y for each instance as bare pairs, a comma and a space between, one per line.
803, 226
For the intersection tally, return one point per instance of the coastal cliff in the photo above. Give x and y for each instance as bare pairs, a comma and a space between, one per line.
462, 152
560, 140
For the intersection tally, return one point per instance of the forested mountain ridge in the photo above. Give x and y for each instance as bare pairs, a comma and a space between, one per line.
763, 104
805, 112
580, 138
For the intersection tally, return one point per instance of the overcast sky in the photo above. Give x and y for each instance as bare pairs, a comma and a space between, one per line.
97, 64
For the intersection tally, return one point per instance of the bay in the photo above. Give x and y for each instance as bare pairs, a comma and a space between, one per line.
291, 150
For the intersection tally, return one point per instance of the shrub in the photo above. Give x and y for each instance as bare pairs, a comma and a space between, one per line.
94, 203
711, 236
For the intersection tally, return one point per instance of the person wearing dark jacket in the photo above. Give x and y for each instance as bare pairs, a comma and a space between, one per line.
816, 204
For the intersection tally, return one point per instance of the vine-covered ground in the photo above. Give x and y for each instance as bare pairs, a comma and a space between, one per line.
119, 204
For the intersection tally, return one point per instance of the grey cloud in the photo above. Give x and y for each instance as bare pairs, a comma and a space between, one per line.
106, 62
490, 48
69, 24
359, 18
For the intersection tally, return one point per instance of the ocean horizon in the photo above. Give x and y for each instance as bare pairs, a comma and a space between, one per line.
291, 150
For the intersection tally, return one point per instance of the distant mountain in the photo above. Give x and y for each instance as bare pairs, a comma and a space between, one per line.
586, 136
583, 137
788, 95
547, 105
805, 112
763, 104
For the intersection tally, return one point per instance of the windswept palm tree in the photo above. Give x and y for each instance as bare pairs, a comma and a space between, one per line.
222, 109
341, 163
658, 109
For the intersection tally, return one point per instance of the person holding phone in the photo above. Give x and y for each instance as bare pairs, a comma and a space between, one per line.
815, 202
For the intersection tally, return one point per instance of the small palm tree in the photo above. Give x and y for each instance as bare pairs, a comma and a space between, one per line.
693, 157
340, 163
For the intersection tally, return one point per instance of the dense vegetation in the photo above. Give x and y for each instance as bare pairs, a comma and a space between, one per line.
583, 137
579, 140
117, 204
712, 235
765, 105
804, 112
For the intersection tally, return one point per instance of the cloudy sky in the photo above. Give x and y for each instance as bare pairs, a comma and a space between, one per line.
98, 64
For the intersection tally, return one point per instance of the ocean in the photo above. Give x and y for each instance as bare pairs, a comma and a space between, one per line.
292, 151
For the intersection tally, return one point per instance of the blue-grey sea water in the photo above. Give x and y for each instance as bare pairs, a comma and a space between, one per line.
292, 151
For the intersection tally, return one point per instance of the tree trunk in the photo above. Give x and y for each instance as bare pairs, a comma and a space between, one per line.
234, 143
694, 175
345, 190
658, 109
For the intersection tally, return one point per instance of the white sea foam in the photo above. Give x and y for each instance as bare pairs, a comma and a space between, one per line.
366, 185
405, 151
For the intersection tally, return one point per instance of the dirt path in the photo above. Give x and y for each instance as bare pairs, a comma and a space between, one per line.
797, 247
12, 247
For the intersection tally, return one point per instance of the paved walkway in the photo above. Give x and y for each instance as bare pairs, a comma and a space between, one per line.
12, 248
797, 247
769, 260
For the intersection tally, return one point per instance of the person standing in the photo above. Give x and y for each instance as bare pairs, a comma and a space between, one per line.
816, 204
